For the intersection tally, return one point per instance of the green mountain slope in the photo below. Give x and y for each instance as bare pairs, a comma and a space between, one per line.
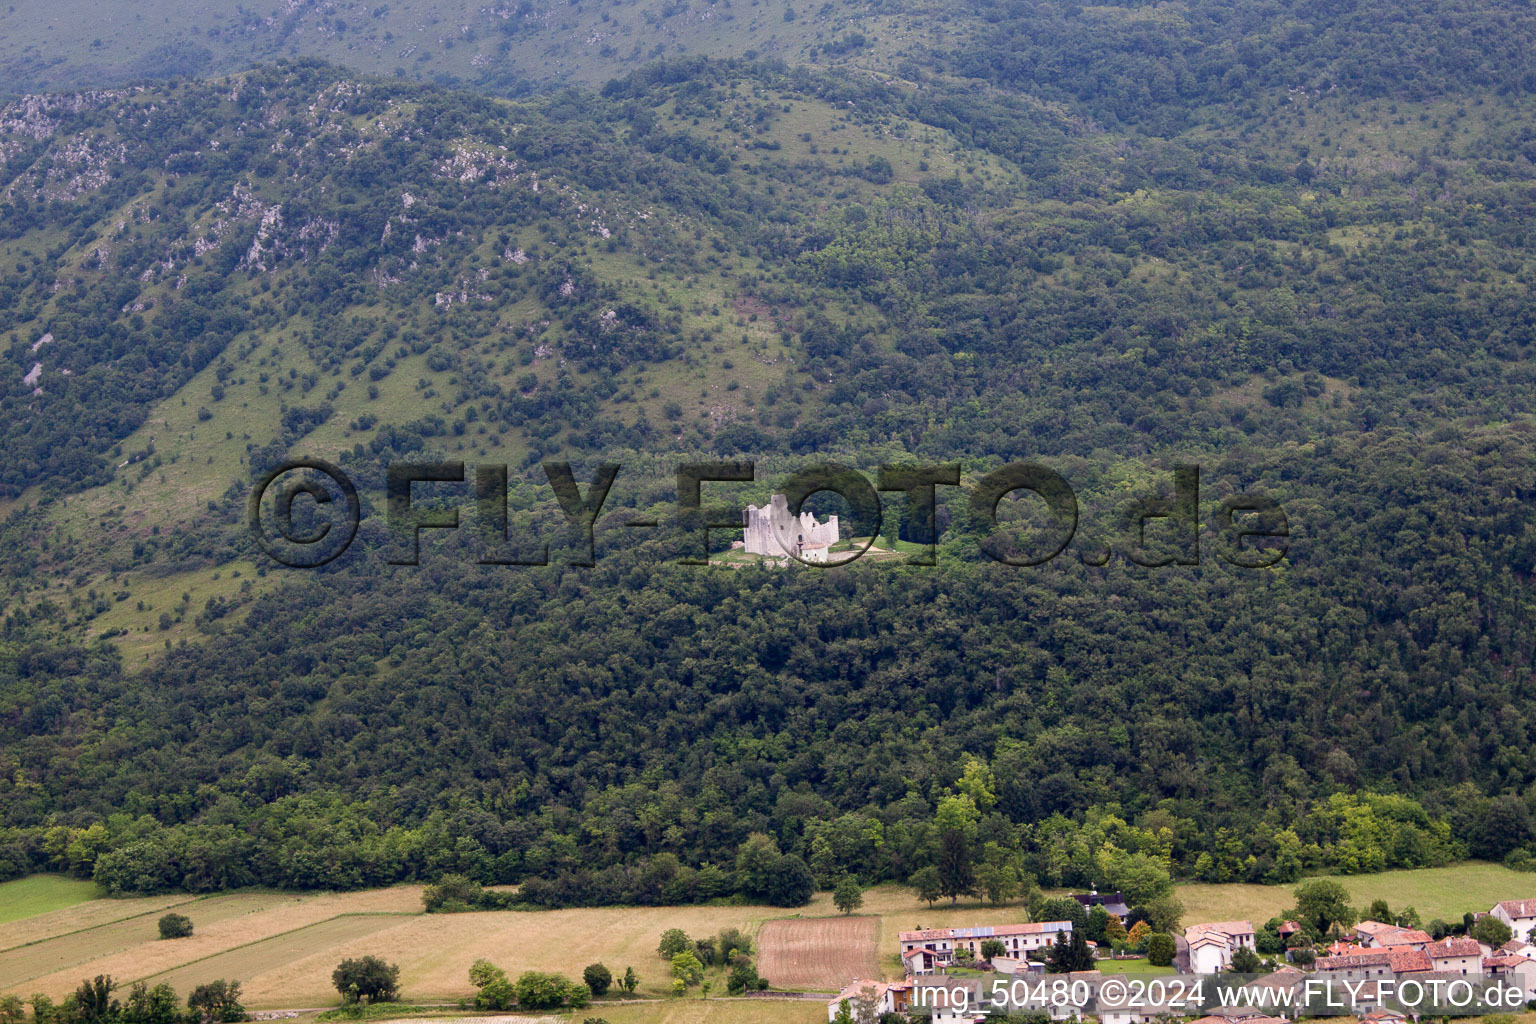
1311, 282
510, 46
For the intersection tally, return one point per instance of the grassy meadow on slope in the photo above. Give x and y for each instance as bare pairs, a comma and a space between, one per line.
39, 894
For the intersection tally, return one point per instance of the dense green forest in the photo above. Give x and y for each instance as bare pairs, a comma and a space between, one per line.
1289, 243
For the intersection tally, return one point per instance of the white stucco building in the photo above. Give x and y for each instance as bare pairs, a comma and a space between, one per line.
772, 531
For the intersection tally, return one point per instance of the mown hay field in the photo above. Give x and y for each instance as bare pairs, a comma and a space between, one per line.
282, 947
434, 951
131, 949
94, 914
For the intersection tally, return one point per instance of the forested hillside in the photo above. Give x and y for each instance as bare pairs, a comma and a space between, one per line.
1290, 243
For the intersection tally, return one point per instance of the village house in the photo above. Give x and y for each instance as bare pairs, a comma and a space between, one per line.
922, 960
1515, 946
1112, 1008
1211, 945
1250, 1018
1377, 963
1276, 990
949, 999
1237, 1015
1376, 935
1017, 939
1141, 1013
1365, 932
1512, 969
1413, 938
1520, 915
1384, 1017
1071, 1008
875, 997
1456, 955
1016, 965
1113, 902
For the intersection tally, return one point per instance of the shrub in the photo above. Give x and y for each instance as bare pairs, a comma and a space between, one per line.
598, 978
217, 1001
367, 978
539, 991
496, 994
175, 926
687, 969
495, 990
733, 941
1246, 961
673, 942
1160, 949
482, 972
743, 976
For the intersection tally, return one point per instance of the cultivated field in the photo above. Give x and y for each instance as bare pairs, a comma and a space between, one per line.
434, 951
818, 954
131, 949
283, 946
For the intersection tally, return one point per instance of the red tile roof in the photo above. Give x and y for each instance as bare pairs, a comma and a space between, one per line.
1405, 937
1410, 960
1518, 908
1449, 946
1225, 927
926, 934
983, 932
1400, 960
1505, 960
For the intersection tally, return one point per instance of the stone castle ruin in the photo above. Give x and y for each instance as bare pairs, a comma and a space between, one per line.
773, 531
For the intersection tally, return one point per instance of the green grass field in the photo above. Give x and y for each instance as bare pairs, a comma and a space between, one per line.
1446, 893
27, 897
1138, 966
